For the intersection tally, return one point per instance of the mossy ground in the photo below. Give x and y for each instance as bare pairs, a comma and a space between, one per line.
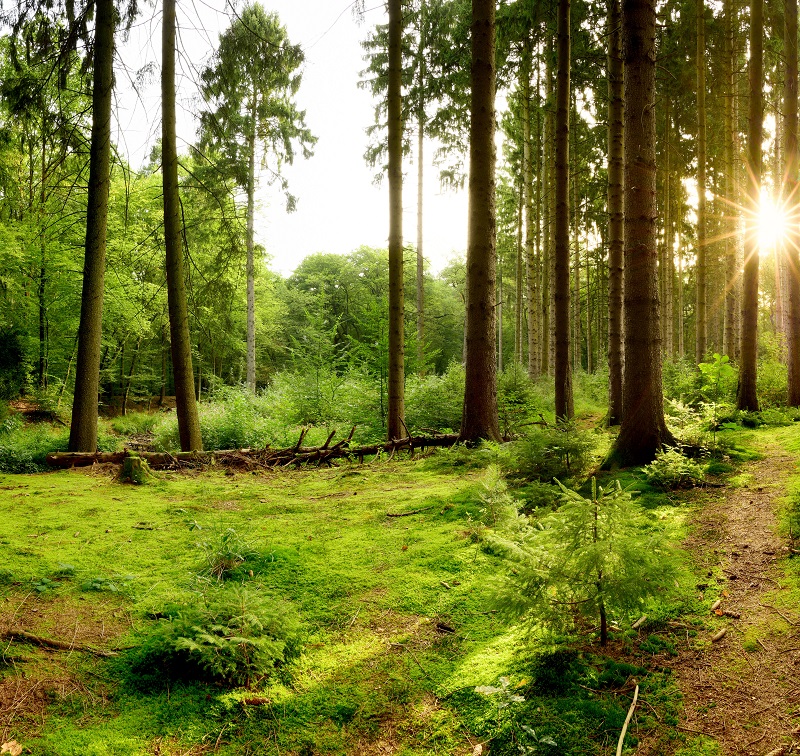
398, 612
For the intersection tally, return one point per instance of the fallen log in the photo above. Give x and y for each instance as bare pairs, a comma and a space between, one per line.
51, 643
247, 458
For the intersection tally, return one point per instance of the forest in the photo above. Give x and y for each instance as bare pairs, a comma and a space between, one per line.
541, 499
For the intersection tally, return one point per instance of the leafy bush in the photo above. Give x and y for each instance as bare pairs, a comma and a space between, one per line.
234, 636
671, 469
499, 506
773, 384
13, 365
681, 380
23, 450
593, 558
226, 553
560, 452
136, 423
516, 399
435, 402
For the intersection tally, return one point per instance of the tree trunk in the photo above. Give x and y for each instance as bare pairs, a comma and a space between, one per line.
83, 430
534, 338
251, 278
643, 431
701, 316
564, 405
792, 162
395, 421
666, 267
421, 69
746, 398
186, 406
518, 319
616, 111
479, 420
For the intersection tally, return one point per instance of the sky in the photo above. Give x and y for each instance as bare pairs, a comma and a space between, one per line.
340, 208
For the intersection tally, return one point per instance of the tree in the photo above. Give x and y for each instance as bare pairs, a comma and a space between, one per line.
83, 430
563, 372
396, 420
616, 241
479, 420
188, 421
248, 90
746, 396
643, 430
791, 160
701, 296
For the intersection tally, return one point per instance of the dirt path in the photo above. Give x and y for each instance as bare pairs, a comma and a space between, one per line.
744, 690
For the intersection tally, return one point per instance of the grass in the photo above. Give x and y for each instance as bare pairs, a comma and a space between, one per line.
397, 616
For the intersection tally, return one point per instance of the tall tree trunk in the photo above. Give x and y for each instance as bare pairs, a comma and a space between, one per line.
729, 147
534, 338
792, 163
666, 268
701, 316
83, 430
576, 273
251, 277
643, 430
747, 398
547, 215
421, 81
395, 421
186, 406
519, 279
479, 419
616, 112
564, 405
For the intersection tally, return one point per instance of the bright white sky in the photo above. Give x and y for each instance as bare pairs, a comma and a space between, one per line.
339, 208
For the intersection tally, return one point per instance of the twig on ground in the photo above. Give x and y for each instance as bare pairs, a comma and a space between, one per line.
627, 721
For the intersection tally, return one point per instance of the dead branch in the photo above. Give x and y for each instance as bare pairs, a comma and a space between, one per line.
627, 721
55, 645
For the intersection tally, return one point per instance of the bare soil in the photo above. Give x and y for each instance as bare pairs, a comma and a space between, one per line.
743, 690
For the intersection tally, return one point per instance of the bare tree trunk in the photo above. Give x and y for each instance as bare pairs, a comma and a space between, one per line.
616, 111
186, 406
731, 268
83, 430
792, 163
534, 337
747, 398
701, 303
563, 369
479, 420
251, 278
422, 75
546, 338
666, 269
643, 430
576, 277
395, 424
518, 319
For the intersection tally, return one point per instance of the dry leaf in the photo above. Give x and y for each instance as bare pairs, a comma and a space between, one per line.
478, 750
12, 747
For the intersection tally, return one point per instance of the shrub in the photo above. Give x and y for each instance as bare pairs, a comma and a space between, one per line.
593, 558
560, 452
499, 506
23, 450
136, 423
516, 399
233, 636
226, 553
435, 402
671, 469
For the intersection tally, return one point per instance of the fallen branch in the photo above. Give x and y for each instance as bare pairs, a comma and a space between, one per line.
627, 721
406, 514
55, 645
774, 609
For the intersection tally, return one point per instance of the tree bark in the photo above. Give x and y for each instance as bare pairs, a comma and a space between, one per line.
616, 111
792, 163
186, 406
421, 82
395, 421
83, 430
251, 278
564, 405
643, 430
747, 398
534, 340
701, 315
479, 419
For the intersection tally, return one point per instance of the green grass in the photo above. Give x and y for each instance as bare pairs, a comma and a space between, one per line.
377, 597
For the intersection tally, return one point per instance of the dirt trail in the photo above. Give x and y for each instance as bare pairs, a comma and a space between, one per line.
744, 690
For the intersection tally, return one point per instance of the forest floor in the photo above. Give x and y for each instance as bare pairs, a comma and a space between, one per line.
741, 693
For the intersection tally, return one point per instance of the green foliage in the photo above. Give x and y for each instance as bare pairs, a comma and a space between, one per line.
225, 554
592, 558
561, 452
499, 509
671, 469
13, 365
435, 402
23, 450
718, 378
231, 635
136, 423
773, 384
